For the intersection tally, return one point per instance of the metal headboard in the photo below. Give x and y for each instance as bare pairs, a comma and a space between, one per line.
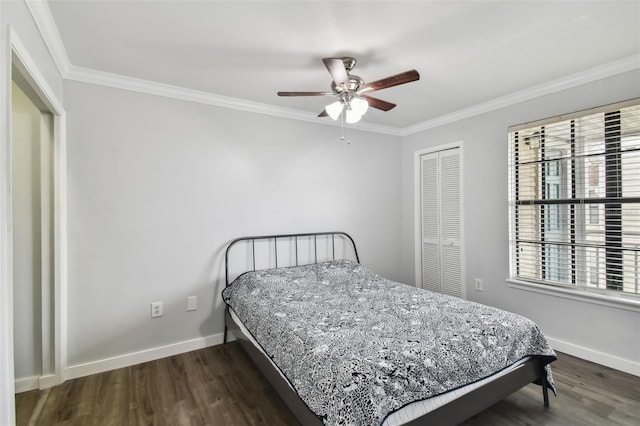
295, 237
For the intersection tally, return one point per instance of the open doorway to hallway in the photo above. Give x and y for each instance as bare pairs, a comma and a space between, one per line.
32, 229
33, 243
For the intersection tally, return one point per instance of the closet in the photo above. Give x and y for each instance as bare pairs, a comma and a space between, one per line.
441, 248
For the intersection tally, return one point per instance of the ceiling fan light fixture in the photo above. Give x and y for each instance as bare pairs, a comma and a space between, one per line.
334, 109
352, 116
359, 105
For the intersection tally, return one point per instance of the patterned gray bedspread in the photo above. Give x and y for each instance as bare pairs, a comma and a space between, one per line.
357, 346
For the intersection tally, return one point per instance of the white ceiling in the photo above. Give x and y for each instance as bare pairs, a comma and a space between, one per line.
467, 52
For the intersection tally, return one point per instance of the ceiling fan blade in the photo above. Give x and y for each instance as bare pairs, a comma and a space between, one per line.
379, 103
304, 93
323, 113
337, 70
394, 80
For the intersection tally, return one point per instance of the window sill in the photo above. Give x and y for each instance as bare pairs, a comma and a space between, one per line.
619, 302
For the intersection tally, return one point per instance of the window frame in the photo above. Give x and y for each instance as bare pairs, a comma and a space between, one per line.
576, 286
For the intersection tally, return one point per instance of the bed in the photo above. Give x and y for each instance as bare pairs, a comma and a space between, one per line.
343, 345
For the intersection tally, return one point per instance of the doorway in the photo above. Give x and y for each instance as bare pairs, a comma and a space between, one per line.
46, 327
31, 199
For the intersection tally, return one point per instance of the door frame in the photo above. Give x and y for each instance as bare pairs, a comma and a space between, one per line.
417, 203
15, 56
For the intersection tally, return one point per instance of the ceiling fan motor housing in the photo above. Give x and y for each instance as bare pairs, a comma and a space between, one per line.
354, 84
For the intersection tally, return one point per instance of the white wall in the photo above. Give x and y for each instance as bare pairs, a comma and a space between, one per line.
602, 333
158, 187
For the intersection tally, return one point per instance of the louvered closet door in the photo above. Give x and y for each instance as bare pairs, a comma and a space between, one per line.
441, 222
450, 248
430, 223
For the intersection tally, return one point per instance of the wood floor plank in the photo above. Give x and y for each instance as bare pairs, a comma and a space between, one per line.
26, 403
220, 386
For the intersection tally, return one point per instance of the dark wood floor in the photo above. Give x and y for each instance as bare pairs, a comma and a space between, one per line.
220, 386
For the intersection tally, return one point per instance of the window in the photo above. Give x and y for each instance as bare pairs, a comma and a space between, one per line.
574, 200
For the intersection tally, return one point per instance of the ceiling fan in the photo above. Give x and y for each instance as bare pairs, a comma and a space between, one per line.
351, 92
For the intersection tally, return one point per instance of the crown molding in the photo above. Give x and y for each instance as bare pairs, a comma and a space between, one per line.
49, 31
610, 69
102, 78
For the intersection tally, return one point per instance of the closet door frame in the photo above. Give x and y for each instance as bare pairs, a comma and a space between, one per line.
417, 168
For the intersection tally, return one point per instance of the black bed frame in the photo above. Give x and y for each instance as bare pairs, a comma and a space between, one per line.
456, 411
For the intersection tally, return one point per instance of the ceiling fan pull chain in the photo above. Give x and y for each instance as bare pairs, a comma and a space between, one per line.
342, 126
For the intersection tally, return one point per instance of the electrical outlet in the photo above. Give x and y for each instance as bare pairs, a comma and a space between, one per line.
156, 309
479, 284
192, 303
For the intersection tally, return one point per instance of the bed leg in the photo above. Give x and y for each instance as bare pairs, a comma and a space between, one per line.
545, 390
226, 329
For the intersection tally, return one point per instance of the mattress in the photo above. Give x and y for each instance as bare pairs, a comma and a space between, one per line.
357, 347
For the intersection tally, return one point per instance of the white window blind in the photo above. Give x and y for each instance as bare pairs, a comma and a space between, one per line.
574, 199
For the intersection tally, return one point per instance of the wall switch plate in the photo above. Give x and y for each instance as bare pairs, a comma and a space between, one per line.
479, 285
192, 303
156, 309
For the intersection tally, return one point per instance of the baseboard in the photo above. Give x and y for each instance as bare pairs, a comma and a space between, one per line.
48, 381
126, 360
601, 358
26, 384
